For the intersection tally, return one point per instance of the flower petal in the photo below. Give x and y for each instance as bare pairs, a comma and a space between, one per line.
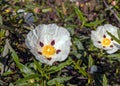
112, 50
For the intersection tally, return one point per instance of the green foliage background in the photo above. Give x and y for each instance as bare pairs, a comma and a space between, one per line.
18, 66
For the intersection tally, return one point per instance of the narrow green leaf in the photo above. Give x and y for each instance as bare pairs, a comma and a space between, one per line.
113, 37
105, 81
118, 31
11, 84
33, 76
24, 69
46, 10
90, 61
80, 15
54, 69
38, 67
1, 21
58, 80
14, 55
94, 23
8, 73
80, 70
114, 57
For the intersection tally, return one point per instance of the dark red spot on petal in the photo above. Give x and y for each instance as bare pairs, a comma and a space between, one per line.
58, 51
104, 36
99, 41
111, 39
53, 42
40, 53
49, 59
41, 44
111, 45
103, 46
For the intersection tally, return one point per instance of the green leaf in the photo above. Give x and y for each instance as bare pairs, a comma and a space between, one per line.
38, 67
114, 56
58, 80
8, 73
105, 81
118, 31
46, 10
24, 69
80, 15
27, 78
14, 55
54, 69
113, 37
90, 61
1, 21
78, 43
80, 69
69, 18
11, 84
94, 23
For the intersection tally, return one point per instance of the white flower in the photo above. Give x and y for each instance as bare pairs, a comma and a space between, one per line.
49, 43
102, 40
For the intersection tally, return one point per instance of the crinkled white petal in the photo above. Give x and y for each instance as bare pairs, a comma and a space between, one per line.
111, 29
46, 34
31, 39
112, 50
95, 37
100, 30
96, 44
117, 45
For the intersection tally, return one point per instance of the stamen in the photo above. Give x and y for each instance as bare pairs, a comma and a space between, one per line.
104, 36
40, 53
106, 42
49, 58
53, 42
58, 51
48, 51
41, 44
111, 45
99, 41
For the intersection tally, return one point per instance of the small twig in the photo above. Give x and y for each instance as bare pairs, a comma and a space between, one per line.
112, 12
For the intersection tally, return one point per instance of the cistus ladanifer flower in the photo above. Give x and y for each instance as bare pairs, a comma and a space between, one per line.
49, 43
102, 40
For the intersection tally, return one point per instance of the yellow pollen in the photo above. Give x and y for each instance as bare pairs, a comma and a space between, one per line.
48, 51
106, 42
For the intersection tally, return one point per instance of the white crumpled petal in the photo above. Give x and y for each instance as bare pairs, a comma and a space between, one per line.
112, 50
101, 33
46, 34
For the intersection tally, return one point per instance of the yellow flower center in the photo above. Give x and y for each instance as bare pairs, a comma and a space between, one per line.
106, 42
48, 51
